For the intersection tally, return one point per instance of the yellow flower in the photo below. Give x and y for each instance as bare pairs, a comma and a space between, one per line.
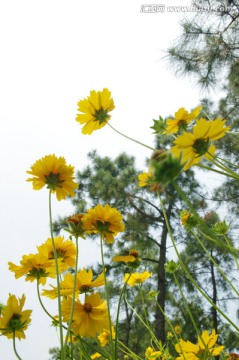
104, 220
145, 178
182, 119
133, 256
84, 283
34, 266
136, 278
206, 346
95, 110
194, 145
177, 329
53, 172
95, 356
65, 251
89, 318
150, 353
14, 321
105, 336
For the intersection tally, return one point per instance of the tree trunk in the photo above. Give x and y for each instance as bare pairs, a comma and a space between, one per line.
161, 285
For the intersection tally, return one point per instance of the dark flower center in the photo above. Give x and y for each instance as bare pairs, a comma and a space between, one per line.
201, 146
87, 307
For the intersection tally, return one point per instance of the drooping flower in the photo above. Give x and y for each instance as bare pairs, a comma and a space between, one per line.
13, 320
75, 225
65, 251
34, 267
205, 348
89, 318
136, 278
193, 146
104, 220
53, 172
150, 353
94, 110
181, 121
105, 336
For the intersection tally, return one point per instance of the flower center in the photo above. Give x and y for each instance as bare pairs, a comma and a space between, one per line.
103, 227
87, 307
14, 322
53, 181
101, 115
201, 146
60, 253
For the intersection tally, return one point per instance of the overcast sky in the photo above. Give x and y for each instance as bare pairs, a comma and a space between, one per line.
52, 54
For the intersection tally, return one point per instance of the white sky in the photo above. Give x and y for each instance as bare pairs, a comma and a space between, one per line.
52, 54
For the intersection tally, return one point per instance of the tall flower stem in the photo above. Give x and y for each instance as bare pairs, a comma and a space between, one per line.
117, 315
131, 139
73, 296
41, 303
188, 273
14, 347
63, 354
107, 297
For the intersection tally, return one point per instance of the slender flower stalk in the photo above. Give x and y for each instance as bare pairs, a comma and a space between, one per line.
188, 273
214, 262
129, 138
107, 297
14, 347
41, 303
73, 295
63, 352
117, 315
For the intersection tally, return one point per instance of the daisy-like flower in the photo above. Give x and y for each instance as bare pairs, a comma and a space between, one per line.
104, 220
84, 284
144, 178
105, 336
181, 121
94, 111
75, 224
89, 318
150, 353
34, 267
53, 172
193, 146
13, 320
65, 251
205, 348
137, 278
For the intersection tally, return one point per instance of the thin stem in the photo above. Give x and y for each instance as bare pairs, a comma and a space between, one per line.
73, 295
41, 303
129, 352
231, 249
63, 355
107, 297
14, 346
214, 262
129, 138
188, 273
117, 315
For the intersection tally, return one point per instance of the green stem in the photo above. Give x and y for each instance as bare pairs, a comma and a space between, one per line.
142, 321
63, 355
129, 352
214, 262
14, 346
143, 303
107, 297
73, 296
188, 273
129, 138
229, 172
41, 303
117, 315
231, 250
